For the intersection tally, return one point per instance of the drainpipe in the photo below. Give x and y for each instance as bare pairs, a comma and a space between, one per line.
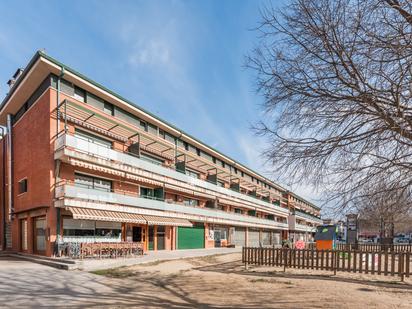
10, 164
57, 166
4, 189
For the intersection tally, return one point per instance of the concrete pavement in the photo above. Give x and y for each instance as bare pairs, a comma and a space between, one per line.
151, 256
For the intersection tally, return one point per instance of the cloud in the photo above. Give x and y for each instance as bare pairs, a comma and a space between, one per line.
154, 52
162, 57
252, 148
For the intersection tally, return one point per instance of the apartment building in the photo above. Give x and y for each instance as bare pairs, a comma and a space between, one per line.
80, 163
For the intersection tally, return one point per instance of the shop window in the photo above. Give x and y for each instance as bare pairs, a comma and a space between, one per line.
94, 230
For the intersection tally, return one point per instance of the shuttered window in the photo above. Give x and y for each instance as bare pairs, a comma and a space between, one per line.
95, 101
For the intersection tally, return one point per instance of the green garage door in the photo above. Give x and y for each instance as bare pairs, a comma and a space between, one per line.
191, 237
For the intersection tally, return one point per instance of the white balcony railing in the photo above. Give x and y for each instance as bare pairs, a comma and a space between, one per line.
307, 217
304, 228
84, 194
110, 154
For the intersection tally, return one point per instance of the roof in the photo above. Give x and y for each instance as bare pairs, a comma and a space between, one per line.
40, 54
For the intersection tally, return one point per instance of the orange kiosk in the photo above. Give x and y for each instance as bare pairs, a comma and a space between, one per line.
325, 237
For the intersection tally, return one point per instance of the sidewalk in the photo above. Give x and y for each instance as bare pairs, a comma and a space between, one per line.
151, 256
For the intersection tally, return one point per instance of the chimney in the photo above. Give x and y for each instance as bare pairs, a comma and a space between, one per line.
15, 77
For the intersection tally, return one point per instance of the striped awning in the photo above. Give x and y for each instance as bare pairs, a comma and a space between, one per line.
95, 167
104, 215
145, 180
125, 217
156, 220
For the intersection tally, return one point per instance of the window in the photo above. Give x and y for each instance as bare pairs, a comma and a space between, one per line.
23, 186
181, 143
90, 182
66, 87
191, 148
93, 138
94, 101
192, 174
143, 125
151, 159
126, 116
108, 108
190, 202
146, 192
238, 211
205, 155
220, 184
152, 129
79, 94
87, 228
169, 138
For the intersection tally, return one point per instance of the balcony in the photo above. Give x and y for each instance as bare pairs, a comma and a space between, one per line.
105, 156
304, 228
294, 226
70, 195
304, 216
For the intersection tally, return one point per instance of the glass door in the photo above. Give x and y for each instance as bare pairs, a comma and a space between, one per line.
160, 237
23, 234
40, 235
137, 234
151, 237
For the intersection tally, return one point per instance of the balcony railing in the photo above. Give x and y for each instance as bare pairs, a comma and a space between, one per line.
306, 216
304, 228
110, 154
84, 194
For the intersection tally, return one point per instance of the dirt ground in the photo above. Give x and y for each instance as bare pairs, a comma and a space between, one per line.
221, 281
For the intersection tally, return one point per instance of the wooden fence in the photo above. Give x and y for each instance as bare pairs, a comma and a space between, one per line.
375, 247
375, 263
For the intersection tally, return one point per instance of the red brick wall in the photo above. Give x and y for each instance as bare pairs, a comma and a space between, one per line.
2, 194
33, 137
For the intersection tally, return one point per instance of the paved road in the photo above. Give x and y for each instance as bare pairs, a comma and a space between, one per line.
24, 284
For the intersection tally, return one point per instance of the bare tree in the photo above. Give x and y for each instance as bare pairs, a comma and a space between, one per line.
336, 78
389, 210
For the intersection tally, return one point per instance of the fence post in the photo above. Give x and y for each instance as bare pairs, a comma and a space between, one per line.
245, 257
401, 261
334, 261
285, 255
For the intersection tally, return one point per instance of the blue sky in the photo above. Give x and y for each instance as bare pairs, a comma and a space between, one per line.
182, 60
